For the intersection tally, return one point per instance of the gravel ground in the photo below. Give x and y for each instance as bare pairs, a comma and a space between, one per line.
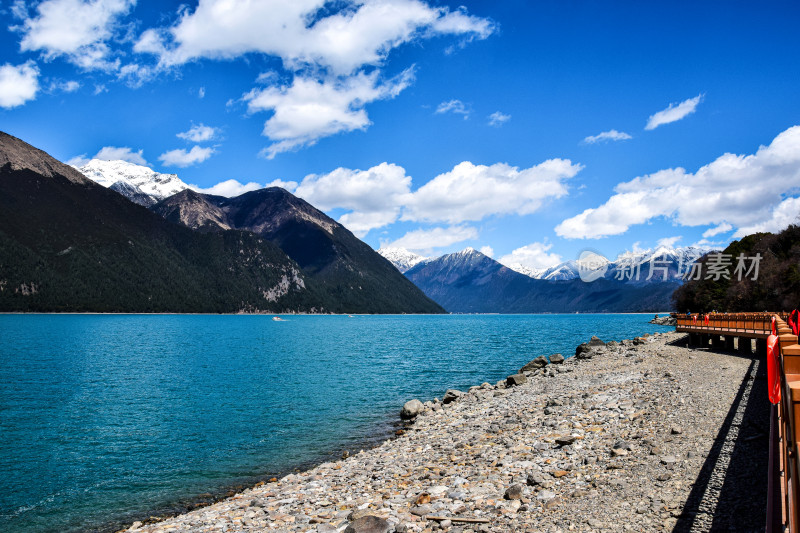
643, 435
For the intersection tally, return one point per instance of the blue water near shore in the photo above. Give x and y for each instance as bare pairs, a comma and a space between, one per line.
106, 417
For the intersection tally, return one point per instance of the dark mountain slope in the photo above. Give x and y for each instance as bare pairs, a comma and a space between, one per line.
68, 244
325, 250
470, 282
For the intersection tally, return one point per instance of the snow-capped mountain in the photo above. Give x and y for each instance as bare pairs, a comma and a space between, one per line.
470, 282
534, 273
666, 263
402, 259
660, 264
138, 183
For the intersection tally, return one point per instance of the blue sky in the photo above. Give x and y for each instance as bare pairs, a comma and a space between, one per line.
537, 129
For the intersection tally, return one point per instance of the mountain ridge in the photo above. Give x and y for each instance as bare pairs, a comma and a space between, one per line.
70, 244
325, 250
470, 282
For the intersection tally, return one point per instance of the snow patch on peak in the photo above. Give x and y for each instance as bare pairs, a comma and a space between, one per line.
145, 179
402, 259
534, 273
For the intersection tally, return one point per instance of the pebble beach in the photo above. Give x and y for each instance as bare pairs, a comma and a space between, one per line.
645, 434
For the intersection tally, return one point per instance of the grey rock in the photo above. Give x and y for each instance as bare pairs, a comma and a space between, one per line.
581, 349
565, 440
556, 359
411, 409
451, 395
514, 492
369, 524
539, 362
516, 379
545, 495
595, 342
534, 480
421, 510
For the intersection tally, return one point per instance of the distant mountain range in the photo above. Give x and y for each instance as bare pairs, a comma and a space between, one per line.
470, 282
666, 263
69, 244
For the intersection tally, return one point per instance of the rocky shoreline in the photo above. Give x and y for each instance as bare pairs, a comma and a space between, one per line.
640, 435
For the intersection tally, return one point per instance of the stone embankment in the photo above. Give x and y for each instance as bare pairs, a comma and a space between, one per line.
640, 435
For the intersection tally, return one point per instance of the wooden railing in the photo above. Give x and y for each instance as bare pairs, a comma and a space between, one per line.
720, 329
788, 433
750, 325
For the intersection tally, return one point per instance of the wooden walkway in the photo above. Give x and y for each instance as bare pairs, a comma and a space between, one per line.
739, 331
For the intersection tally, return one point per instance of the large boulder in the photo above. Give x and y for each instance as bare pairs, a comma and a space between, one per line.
411, 409
583, 349
556, 359
451, 395
516, 379
595, 342
539, 362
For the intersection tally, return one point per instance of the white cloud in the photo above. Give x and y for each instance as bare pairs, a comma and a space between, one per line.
76, 29
305, 32
18, 84
199, 133
473, 192
673, 113
739, 190
378, 196
333, 52
373, 197
669, 242
78, 160
310, 109
488, 251
716, 230
453, 106
534, 255
182, 158
424, 241
497, 119
611, 135
123, 153
288, 185
784, 214
100, 89
65, 86
229, 188
201, 93
135, 75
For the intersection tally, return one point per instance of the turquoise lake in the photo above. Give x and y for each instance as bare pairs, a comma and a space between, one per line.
105, 419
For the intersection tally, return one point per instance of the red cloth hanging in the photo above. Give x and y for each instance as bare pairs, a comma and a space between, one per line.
773, 370
794, 321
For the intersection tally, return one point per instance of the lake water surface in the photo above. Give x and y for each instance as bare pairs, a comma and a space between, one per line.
106, 417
